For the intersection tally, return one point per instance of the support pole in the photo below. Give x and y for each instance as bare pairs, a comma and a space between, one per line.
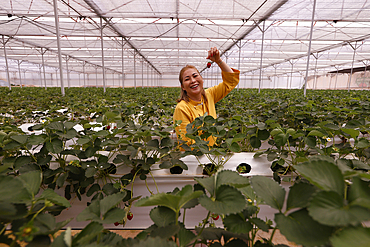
309, 47
135, 68
240, 49
142, 74
336, 79
315, 79
102, 50
353, 60
291, 75
19, 72
6, 64
263, 39
68, 78
40, 75
123, 67
83, 67
43, 64
59, 49
363, 79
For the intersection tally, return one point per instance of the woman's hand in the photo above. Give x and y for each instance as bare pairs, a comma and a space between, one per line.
214, 55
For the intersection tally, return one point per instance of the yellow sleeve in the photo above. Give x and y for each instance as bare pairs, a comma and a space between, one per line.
229, 82
185, 115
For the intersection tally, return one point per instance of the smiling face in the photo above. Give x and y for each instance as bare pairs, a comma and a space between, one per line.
192, 83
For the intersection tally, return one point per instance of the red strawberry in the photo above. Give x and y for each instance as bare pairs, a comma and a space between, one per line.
116, 223
209, 65
130, 216
115, 127
108, 127
215, 217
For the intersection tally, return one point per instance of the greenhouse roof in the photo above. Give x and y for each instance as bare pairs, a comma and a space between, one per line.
165, 35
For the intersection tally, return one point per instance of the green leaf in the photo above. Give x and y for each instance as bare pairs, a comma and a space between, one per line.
359, 193
163, 216
102, 133
300, 195
270, 191
111, 201
55, 126
323, 173
316, 133
113, 215
92, 212
255, 142
22, 139
185, 237
280, 139
227, 200
260, 224
167, 142
83, 140
47, 220
327, 208
31, 181
55, 146
223, 177
52, 196
300, 228
94, 188
157, 241
351, 236
174, 202
12, 190
87, 234
165, 232
263, 134
22, 160
354, 133
235, 223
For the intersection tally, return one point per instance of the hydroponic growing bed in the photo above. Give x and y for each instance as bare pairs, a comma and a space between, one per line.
109, 148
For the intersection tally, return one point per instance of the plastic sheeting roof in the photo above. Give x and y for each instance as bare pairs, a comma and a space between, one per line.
168, 34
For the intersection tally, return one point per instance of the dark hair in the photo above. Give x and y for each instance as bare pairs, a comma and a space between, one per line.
183, 95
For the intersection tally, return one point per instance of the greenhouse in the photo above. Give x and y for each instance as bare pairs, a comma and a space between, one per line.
275, 44
90, 148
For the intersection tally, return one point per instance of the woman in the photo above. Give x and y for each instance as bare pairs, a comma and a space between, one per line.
194, 100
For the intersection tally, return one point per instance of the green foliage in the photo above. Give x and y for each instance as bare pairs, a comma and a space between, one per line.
79, 142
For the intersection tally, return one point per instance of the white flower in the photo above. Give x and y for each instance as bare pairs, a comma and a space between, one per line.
101, 167
328, 139
87, 166
42, 120
223, 159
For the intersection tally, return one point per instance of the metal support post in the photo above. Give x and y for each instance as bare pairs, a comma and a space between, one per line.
240, 50
123, 67
102, 50
309, 47
68, 78
43, 64
353, 60
142, 74
263, 39
19, 72
6, 63
83, 67
40, 75
135, 68
59, 48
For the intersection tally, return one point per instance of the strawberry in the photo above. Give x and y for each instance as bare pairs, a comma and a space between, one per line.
116, 223
108, 127
130, 216
209, 65
215, 216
